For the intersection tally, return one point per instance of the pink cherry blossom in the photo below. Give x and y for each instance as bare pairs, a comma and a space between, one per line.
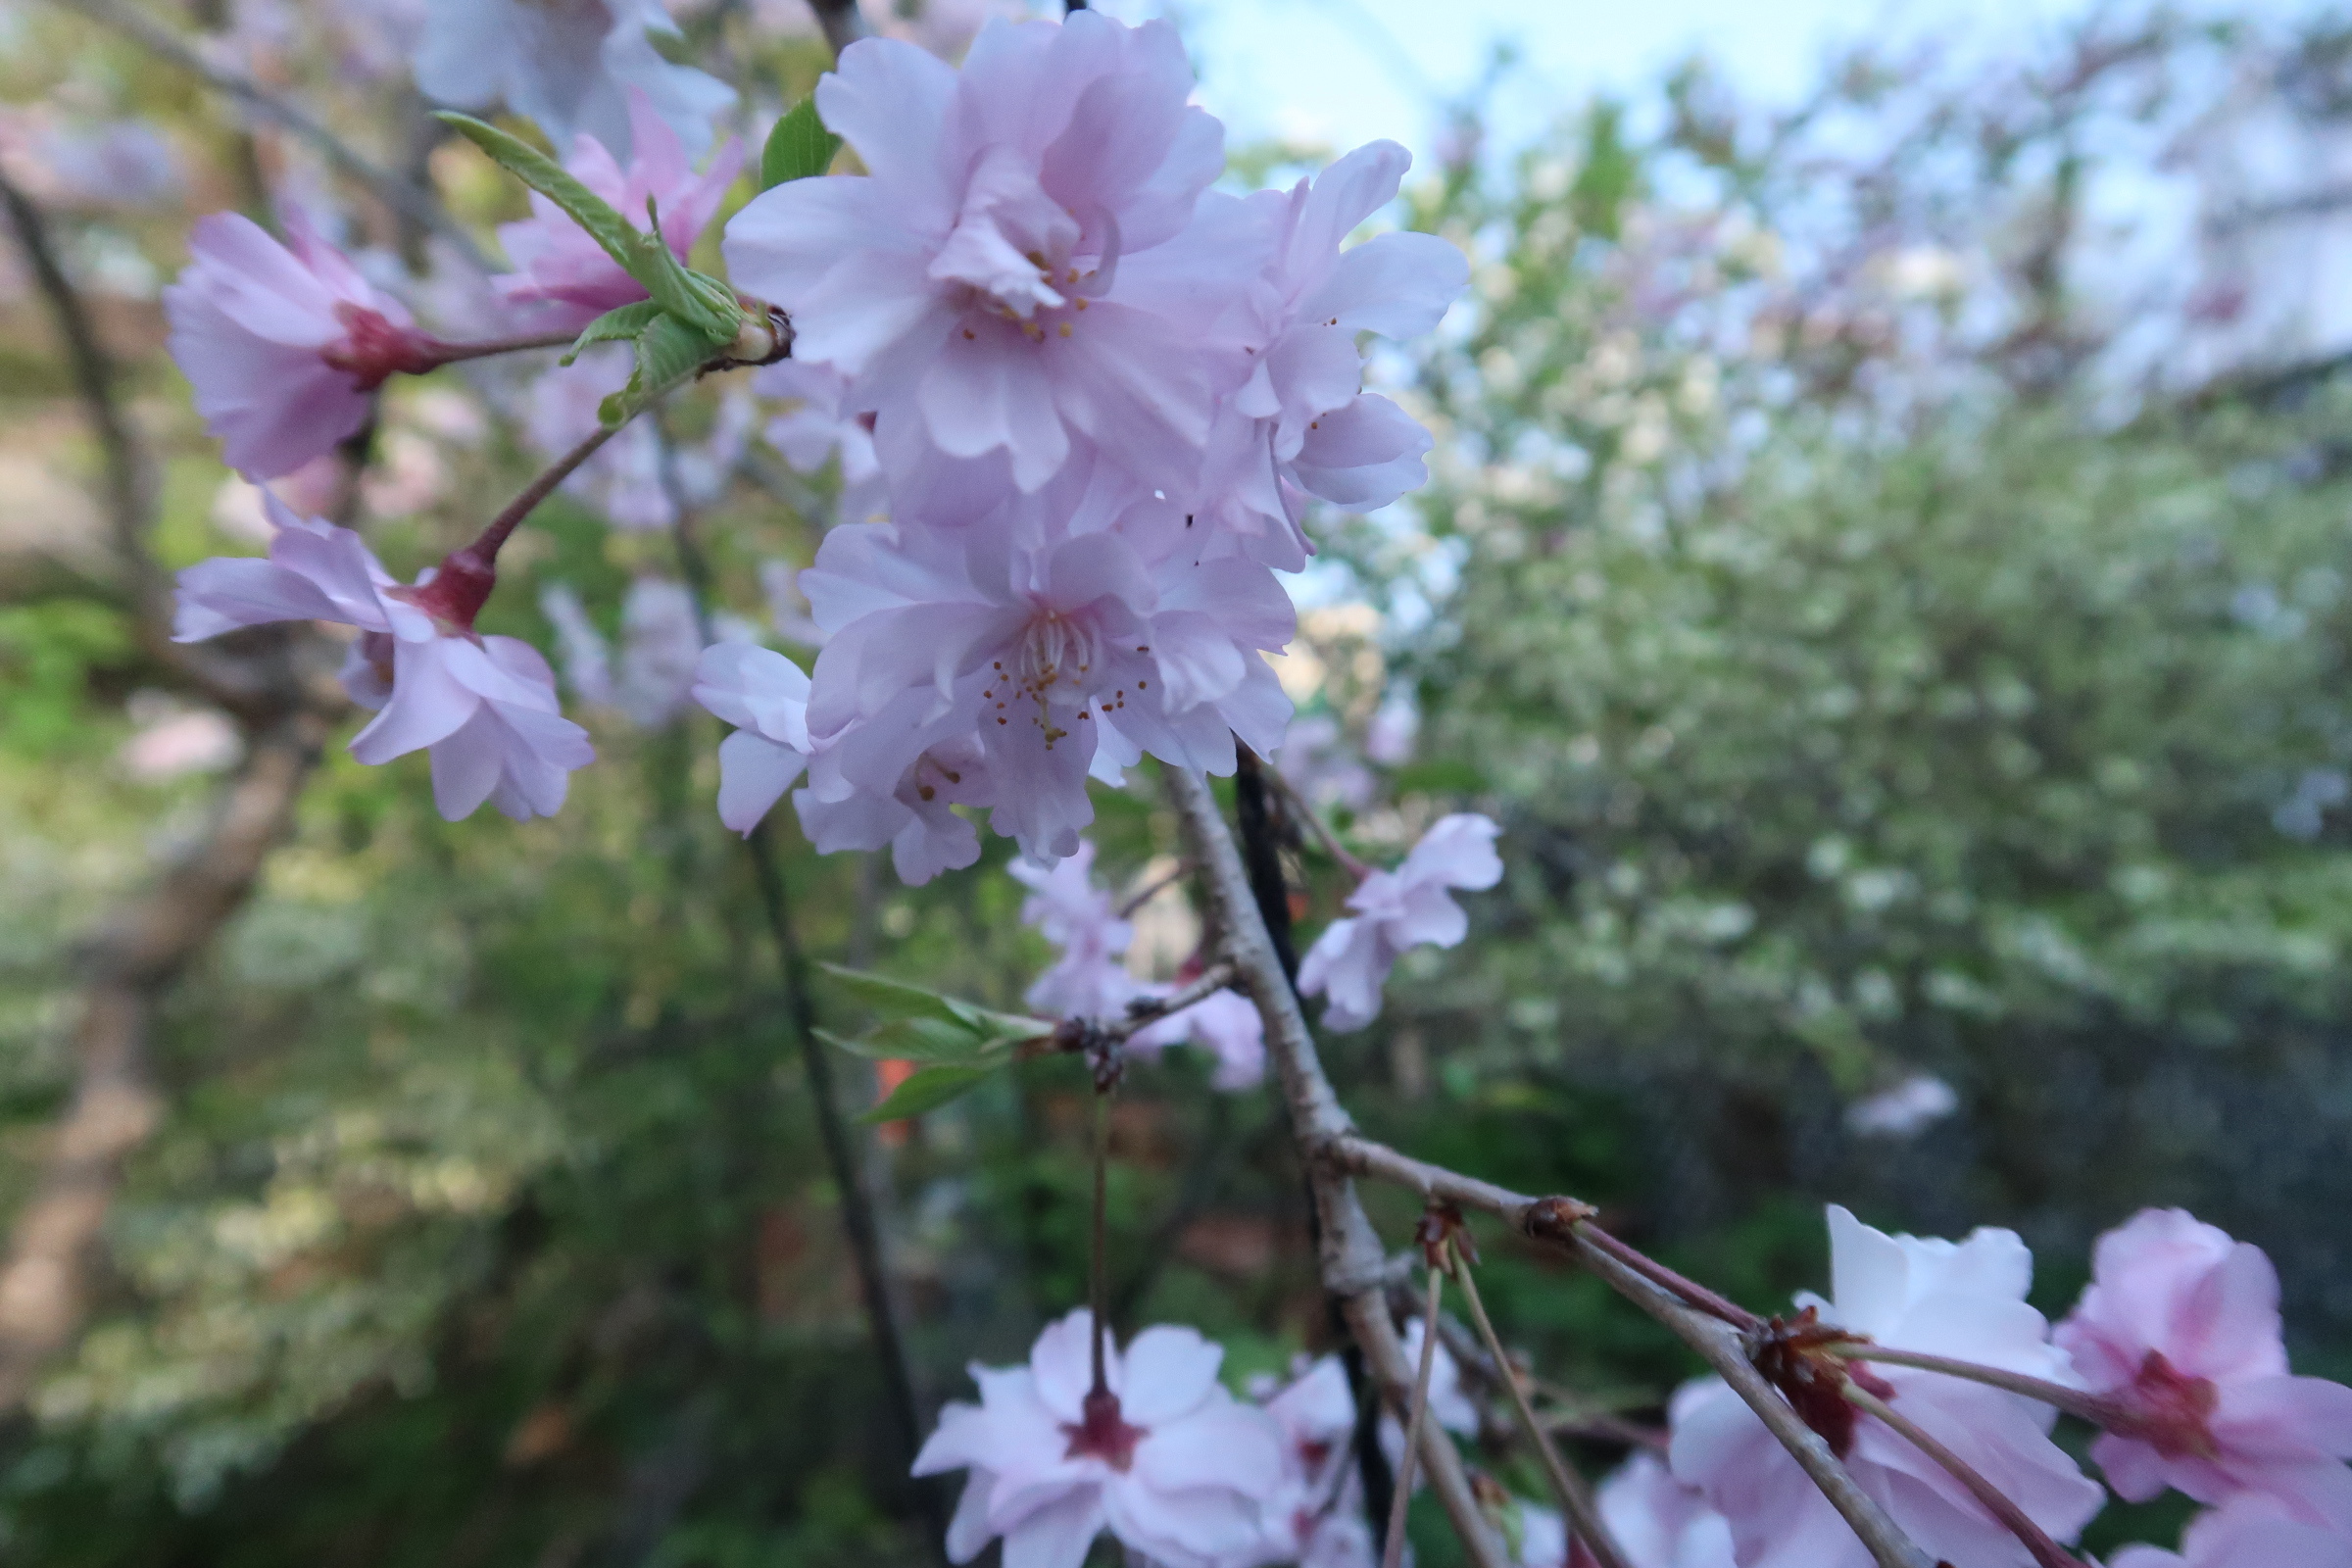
765, 696
1018, 276
814, 423
1068, 908
1172, 1464
2179, 1329
485, 707
2250, 1530
1394, 910
567, 65
1316, 1518
915, 816
562, 270
1302, 425
284, 344
1965, 1300
1659, 1522
1046, 644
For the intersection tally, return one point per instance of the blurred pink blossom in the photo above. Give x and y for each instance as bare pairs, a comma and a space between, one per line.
566, 65
2247, 1532
1394, 910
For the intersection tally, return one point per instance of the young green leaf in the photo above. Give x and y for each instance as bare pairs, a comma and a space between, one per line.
896, 999
552, 180
928, 1090
797, 147
701, 302
624, 324
668, 352
925, 1040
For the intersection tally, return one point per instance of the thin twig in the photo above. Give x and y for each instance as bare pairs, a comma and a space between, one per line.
1315, 824
2047, 1553
1576, 1497
419, 205
1393, 1550
843, 23
1098, 1278
1154, 888
2074, 1401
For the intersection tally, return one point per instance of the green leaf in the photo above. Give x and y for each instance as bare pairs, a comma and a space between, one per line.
928, 1090
668, 352
622, 324
925, 1040
552, 180
896, 999
800, 146
700, 301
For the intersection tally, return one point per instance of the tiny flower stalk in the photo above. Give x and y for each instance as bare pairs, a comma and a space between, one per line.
464, 583
1434, 1261
2046, 1553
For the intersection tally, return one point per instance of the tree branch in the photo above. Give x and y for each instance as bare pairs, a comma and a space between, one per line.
843, 23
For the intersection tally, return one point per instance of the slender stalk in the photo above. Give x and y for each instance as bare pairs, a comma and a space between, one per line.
1690, 1290
1576, 1497
843, 23
413, 203
442, 353
486, 544
1153, 888
1098, 1283
1392, 1552
1141, 1015
2074, 1401
2046, 1552
1317, 825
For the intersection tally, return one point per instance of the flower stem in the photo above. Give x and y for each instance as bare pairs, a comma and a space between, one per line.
441, 353
1099, 1271
2046, 1552
1690, 1290
1392, 1552
486, 544
2074, 1401
1317, 825
1576, 1497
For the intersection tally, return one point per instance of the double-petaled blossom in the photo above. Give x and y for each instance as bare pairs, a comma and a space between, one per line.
1020, 274
2179, 1332
1053, 648
2250, 1530
484, 706
915, 818
1964, 1300
284, 344
766, 697
1165, 1460
567, 65
815, 422
564, 272
1301, 426
1393, 910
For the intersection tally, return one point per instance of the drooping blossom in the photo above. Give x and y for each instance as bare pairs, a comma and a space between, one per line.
484, 706
1394, 910
915, 818
1303, 424
1318, 1516
2180, 1330
1966, 1300
2250, 1530
566, 65
1048, 645
622, 480
1019, 276
765, 696
284, 344
1088, 979
568, 276
1170, 1463
1659, 1522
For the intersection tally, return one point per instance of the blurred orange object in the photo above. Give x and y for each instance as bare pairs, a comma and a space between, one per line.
888, 1073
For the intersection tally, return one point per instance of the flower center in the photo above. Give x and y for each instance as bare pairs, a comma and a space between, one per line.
2167, 1410
373, 350
1102, 1435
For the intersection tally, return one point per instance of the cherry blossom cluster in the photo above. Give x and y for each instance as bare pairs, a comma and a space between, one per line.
2173, 1351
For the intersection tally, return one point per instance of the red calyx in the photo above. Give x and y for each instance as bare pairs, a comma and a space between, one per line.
373, 350
1102, 1435
1794, 1356
457, 591
2168, 1410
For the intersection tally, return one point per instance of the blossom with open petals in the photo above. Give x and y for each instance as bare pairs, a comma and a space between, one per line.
561, 268
1088, 979
567, 65
284, 344
1966, 1300
1659, 1522
1394, 910
2179, 1329
1170, 1463
994, 287
484, 706
2250, 1530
